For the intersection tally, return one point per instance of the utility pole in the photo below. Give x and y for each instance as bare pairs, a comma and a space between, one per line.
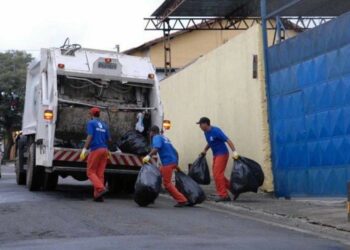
117, 48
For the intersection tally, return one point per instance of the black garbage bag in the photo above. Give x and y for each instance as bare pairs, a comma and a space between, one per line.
134, 142
199, 171
189, 188
147, 185
246, 176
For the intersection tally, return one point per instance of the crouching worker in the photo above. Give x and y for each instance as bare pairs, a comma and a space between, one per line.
97, 140
169, 159
216, 141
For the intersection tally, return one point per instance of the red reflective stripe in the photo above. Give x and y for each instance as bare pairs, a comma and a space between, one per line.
138, 161
67, 156
134, 160
120, 160
115, 158
57, 154
126, 160
74, 157
123, 159
60, 154
112, 160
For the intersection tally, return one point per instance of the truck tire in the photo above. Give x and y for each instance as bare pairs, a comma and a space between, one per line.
50, 181
115, 184
35, 174
129, 183
20, 161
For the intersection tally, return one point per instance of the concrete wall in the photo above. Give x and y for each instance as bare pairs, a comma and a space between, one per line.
220, 85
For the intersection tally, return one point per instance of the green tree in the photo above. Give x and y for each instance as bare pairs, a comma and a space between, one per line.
13, 68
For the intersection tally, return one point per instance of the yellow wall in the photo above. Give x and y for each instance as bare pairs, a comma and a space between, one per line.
220, 85
188, 46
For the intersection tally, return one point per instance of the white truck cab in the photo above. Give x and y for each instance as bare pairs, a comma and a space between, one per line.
60, 89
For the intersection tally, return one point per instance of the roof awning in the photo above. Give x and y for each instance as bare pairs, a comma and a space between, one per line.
251, 8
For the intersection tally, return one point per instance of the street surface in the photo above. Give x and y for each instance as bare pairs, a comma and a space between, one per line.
68, 219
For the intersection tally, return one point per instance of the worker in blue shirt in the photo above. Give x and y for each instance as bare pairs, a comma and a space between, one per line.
216, 141
169, 159
97, 140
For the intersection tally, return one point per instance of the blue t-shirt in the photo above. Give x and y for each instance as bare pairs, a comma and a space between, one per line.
166, 151
99, 132
217, 141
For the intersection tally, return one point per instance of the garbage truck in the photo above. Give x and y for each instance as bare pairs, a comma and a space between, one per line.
60, 89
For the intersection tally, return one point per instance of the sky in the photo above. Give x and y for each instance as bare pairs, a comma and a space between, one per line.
31, 25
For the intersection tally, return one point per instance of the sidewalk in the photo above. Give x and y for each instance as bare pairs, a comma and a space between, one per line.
329, 212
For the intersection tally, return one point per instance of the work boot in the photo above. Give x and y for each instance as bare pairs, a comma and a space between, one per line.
101, 194
182, 204
235, 196
222, 199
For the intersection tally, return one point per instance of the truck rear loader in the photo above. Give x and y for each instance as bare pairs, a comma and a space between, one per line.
60, 89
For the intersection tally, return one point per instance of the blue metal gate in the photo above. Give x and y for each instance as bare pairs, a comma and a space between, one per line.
309, 91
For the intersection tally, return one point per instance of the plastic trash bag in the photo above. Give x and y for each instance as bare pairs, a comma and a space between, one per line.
189, 188
134, 142
199, 171
139, 125
246, 176
147, 185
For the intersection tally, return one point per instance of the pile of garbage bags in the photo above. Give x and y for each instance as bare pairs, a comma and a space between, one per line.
199, 171
189, 188
147, 185
133, 142
246, 176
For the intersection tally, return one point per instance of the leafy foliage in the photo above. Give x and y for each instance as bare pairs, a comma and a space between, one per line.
13, 68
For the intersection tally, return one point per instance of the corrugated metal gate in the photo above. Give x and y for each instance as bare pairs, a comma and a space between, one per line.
310, 111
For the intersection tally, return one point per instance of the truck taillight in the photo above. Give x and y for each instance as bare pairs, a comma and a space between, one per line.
48, 115
166, 124
60, 66
151, 76
108, 60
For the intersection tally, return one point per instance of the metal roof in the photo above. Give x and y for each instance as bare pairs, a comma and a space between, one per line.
251, 8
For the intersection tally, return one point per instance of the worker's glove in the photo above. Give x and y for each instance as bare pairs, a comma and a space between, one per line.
146, 159
83, 154
235, 155
202, 154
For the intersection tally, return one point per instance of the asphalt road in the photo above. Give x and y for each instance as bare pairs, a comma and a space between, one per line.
68, 219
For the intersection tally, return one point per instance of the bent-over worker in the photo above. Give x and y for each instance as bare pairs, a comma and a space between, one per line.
169, 159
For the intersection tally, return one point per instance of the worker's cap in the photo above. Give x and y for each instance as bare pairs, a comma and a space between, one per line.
95, 111
204, 120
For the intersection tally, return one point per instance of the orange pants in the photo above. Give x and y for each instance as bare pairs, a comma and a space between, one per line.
167, 173
221, 182
96, 165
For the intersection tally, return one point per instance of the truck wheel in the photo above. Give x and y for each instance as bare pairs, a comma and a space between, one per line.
35, 173
19, 167
115, 184
50, 181
129, 184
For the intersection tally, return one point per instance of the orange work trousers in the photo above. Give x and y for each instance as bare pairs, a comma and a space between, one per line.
167, 173
221, 182
96, 165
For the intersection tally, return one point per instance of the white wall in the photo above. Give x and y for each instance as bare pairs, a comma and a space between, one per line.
220, 86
